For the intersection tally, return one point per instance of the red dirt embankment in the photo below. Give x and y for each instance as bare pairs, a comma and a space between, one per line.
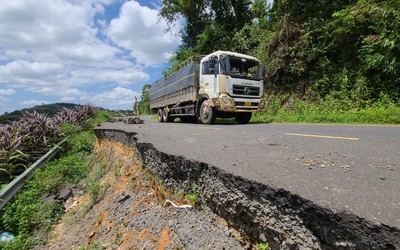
129, 215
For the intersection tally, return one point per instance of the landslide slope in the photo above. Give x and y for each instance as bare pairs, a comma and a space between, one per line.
128, 211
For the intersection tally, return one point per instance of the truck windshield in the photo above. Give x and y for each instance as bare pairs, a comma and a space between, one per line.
240, 68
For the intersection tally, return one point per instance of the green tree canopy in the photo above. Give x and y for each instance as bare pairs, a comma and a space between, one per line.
309, 47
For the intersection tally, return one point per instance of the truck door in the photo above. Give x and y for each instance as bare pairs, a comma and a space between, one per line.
208, 78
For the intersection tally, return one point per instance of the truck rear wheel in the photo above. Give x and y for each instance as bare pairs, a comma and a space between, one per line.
207, 113
166, 116
160, 115
243, 118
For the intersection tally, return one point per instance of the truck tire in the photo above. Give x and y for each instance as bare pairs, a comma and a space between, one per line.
160, 115
166, 116
207, 113
243, 118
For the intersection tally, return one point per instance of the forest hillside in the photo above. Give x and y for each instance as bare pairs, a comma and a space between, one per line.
49, 109
341, 54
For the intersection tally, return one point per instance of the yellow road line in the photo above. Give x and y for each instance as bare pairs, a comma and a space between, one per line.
325, 136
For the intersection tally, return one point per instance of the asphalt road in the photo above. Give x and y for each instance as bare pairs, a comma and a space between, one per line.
351, 168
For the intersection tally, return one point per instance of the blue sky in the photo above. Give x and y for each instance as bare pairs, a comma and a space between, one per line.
99, 52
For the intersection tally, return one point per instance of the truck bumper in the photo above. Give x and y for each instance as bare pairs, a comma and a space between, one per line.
227, 103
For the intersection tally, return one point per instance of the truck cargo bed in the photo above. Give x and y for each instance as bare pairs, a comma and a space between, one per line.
179, 87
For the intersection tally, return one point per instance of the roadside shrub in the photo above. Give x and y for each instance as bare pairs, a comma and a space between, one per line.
24, 141
334, 108
74, 116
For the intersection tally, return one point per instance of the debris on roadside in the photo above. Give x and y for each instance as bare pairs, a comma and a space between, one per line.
346, 168
318, 163
6, 237
127, 120
177, 206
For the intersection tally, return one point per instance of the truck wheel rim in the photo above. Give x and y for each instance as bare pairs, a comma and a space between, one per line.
206, 109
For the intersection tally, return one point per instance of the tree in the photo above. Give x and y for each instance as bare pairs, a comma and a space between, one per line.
144, 103
210, 24
193, 11
361, 44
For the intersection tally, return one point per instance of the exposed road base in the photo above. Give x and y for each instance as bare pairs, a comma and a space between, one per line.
264, 213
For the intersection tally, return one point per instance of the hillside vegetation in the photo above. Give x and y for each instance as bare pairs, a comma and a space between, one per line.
28, 215
24, 141
323, 58
49, 109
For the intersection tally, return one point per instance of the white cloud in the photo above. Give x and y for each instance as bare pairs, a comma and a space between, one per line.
138, 30
20, 71
86, 53
33, 103
124, 76
40, 24
117, 97
49, 78
7, 91
68, 48
70, 95
74, 92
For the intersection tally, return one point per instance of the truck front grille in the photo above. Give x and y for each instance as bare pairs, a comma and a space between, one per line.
242, 105
245, 90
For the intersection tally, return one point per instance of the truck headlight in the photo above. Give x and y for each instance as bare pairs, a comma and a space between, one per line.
226, 101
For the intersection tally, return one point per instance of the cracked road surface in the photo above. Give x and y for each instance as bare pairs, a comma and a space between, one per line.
344, 167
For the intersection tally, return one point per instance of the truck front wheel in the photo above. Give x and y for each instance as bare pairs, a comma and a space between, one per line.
207, 113
243, 118
160, 115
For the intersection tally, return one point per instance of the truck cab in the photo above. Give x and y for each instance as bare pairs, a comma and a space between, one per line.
230, 84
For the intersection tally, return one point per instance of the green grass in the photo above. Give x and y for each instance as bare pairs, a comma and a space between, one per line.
154, 117
25, 214
193, 197
329, 110
262, 246
93, 246
97, 190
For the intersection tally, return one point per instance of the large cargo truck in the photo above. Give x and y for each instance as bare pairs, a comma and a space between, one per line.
222, 84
